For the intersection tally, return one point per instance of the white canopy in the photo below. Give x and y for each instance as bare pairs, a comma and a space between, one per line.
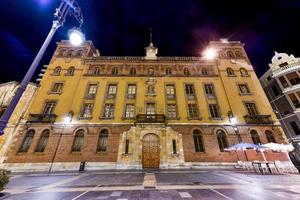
279, 147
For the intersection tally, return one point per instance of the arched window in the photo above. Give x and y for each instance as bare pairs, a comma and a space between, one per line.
204, 71
78, 141
62, 52
255, 137
97, 71
132, 71
222, 140
230, 54
168, 71
230, 71
186, 71
198, 143
71, 71
270, 137
243, 72
70, 53
150, 71
238, 54
114, 71
79, 53
57, 70
102, 141
27, 141
43, 141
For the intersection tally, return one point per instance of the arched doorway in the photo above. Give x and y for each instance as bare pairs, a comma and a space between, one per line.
150, 151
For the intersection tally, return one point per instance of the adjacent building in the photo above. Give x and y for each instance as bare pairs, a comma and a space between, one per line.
7, 91
144, 112
282, 87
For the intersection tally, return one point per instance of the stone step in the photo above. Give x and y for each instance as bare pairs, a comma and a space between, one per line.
149, 180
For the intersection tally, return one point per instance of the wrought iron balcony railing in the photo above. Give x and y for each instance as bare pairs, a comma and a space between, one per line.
258, 119
42, 118
144, 118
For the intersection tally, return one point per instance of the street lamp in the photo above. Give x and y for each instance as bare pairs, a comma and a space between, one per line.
210, 53
233, 122
67, 7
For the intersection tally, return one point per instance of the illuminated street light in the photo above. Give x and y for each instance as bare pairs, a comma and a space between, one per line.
76, 37
209, 54
66, 8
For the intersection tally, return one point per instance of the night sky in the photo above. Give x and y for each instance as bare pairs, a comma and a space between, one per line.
181, 28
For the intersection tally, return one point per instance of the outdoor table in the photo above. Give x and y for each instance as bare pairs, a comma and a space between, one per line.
268, 163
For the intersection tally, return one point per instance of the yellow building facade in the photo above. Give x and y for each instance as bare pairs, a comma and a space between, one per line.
143, 112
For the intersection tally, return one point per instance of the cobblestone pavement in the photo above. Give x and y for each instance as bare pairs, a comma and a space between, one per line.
200, 184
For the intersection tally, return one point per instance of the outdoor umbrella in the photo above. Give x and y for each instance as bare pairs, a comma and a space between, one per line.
280, 147
243, 146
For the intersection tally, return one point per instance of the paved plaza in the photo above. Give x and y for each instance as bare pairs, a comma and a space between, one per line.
171, 184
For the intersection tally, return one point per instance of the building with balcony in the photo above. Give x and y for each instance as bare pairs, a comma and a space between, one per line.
281, 84
144, 112
7, 91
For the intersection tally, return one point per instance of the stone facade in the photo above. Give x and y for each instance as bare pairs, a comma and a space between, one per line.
99, 110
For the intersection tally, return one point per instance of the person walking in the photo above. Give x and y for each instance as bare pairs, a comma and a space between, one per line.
295, 155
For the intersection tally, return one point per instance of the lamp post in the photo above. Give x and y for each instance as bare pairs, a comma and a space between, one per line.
67, 7
232, 121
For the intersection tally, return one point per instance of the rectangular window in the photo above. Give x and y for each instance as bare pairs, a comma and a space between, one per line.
174, 146
109, 110
49, 107
87, 111
127, 146
294, 100
244, 89
209, 90
295, 128
251, 108
91, 91
171, 111
112, 91
129, 111
275, 91
283, 82
170, 91
189, 91
214, 111
150, 110
57, 88
131, 91
193, 111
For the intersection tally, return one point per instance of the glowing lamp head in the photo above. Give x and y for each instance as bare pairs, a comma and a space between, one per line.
210, 54
76, 37
233, 120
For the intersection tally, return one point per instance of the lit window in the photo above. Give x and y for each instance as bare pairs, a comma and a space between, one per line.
198, 143
112, 91
189, 91
102, 141
43, 141
150, 109
78, 141
131, 91
193, 111
129, 111
91, 91
171, 111
214, 111
170, 91
109, 110
222, 140
87, 111
27, 141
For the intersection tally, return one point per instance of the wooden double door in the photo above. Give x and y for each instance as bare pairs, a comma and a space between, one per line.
150, 151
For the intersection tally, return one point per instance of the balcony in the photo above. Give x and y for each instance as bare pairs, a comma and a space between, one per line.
42, 118
258, 119
144, 118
